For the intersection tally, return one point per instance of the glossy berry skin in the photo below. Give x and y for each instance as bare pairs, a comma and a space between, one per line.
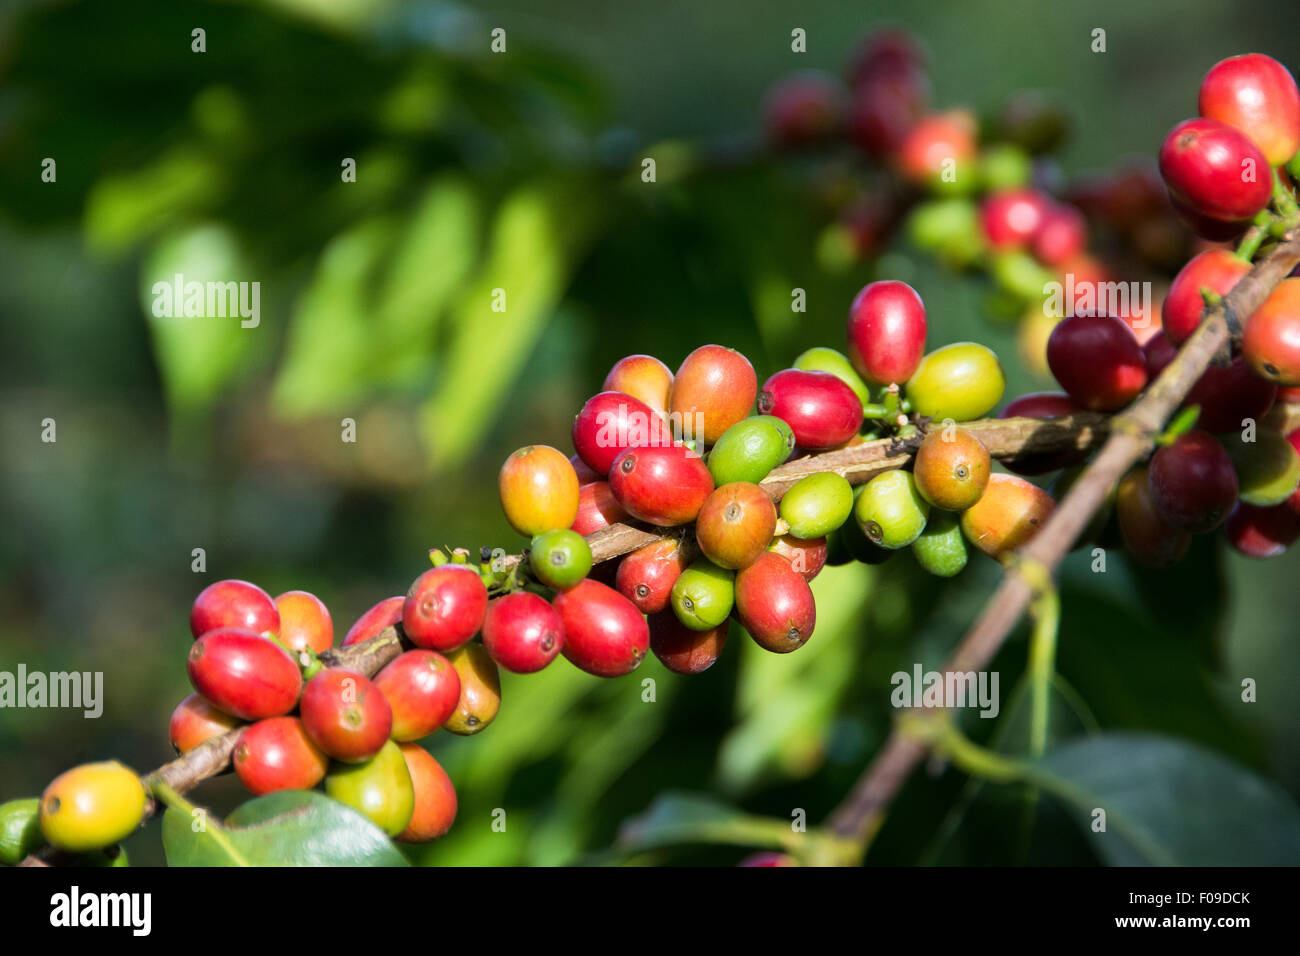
559, 559
604, 633
1193, 484
422, 689
1041, 405
775, 605
444, 607
750, 449
1294, 501
276, 754
1271, 343
1229, 395
539, 490
819, 407
816, 505
480, 690
1215, 170
714, 388
1098, 362
345, 715
962, 381
435, 805
643, 377
1062, 236
704, 595
597, 508
889, 510
1012, 217
522, 632
806, 555
380, 788
681, 649
941, 548
91, 806
647, 575
305, 622
586, 474
383, 615
1257, 95
1148, 537
1008, 514
1215, 269
1214, 230
1268, 469
195, 721
611, 422
951, 469
662, 485
243, 674
823, 359
1262, 532
736, 524
886, 331
234, 604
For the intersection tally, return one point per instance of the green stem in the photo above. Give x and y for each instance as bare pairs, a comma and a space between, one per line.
1251, 241
1042, 665
974, 759
1282, 198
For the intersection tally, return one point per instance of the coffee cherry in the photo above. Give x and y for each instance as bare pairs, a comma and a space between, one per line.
822, 359
195, 721
684, 650
647, 575
951, 469
610, 423
539, 490
1271, 343
1208, 228
243, 674
235, 604
1217, 270
1043, 406
1062, 236
703, 595
1012, 217
820, 408
775, 605
304, 622
947, 228
345, 715
1229, 396
1293, 439
379, 788
383, 615
1193, 484
1215, 170
1097, 361
768, 859
20, 830
586, 474
643, 377
559, 559
444, 607
480, 689
806, 555
276, 754
962, 381
941, 549
817, 504
750, 449
803, 110
422, 690
886, 332
713, 389
604, 633
1256, 95
1008, 514
663, 485
1151, 539
434, 798
1262, 532
597, 508
92, 806
1268, 468
522, 633
736, 524
936, 143
889, 510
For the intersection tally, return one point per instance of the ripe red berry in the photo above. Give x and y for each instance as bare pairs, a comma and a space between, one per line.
604, 633
803, 110
1215, 169
244, 674
235, 604
1062, 236
736, 524
304, 622
1262, 532
1207, 227
713, 389
647, 575
1257, 95
1158, 352
1149, 538
597, 508
887, 54
775, 605
681, 649
643, 377
886, 332
1011, 218
1097, 360
276, 754
1193, 483
1041, 405
1229, 395
884, 110
586, 474
345, 714
522, 632
611, 422
435, 797
935, 142
195, 721
383, 615
1216, 269
1271, 343
444, 607
1294, 501
820, 408
422, 688
662, 484
807, 556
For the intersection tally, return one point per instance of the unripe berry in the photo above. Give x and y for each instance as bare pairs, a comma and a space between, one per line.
1097, 361
243, 674
434, 798
819, 407
1008, 514
1215, 170
480, 689
304, 622
422, 689
195, 721
380, 788
1267, 467
663, 485
604, 633
234, 604
1150, 538
643, 377
736, 524
962, 381
522, 632
775, 605
1216, 269
539, 490
559, 559
1257, 95
444, 607
886, 331
91, 806
816, 505
941, 548
345, 715
647, 575
684, 650
889, 510
951, 469
715, 387
276, 754
20, 830
1193, 484
383, 615
750, 449
704, 595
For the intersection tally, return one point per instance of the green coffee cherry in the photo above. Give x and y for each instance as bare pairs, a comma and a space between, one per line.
822, 359
20, 830
941, 548
817, 505
703, 595
890, 511
380, 788
1020, 274
749, 449
1005, 166
560, 558
1268, 468
962, 381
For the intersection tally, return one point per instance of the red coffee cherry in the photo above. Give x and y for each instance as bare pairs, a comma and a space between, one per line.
884, 109
1149, 538
647, 575
383, 615
1042, 405
1158, 352
1262, 532
1271, 343
244, 674
612, 422
1062, 236
435, 797
276, 754
1215, 170
1257, 95
806, 556
304, 622
1294, 501
1008, 514
820, 408
1010, 218
597, 508
195, 721
643, 377
1229, 395
803, 110
1207, 227
422, 689
604, 633
236, 604
586, 474
663, 485
886, 332
1216, 269
714, 388
933, 142
736, 524
681, 649
768, 858
1193, 483
444, 607
775, 605
1097, 361
345, 714
522, 632
887, 54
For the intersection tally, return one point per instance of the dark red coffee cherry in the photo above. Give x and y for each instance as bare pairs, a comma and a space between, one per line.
1193, 483
1097, 360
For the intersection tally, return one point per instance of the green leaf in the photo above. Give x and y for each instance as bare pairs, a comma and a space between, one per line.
291, 828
